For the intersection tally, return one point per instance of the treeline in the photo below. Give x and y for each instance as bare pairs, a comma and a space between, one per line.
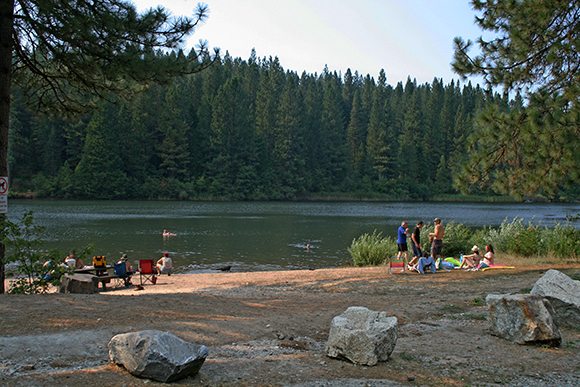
250, 130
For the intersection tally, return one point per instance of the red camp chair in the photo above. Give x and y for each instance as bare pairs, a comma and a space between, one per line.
399, 266
147, 271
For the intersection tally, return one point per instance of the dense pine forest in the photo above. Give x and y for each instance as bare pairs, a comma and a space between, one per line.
251, 130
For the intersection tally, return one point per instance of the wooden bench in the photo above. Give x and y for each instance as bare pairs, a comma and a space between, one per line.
103, 280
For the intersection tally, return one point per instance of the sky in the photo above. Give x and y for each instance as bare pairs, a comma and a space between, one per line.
406, 38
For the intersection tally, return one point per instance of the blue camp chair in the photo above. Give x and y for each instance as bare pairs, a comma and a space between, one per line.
124, 278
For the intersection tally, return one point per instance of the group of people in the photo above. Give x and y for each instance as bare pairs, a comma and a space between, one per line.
433, 259
164, 265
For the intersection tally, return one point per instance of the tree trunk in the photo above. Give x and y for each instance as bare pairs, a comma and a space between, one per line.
6, 25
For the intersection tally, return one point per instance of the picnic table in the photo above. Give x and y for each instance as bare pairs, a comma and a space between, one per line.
99, 275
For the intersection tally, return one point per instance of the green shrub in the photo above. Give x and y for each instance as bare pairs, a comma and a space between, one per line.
372, 249
511, 237
23, 247
458, 239
562, 241
517, 238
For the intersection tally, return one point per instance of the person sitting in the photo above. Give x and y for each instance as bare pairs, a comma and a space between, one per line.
128, 269
165, 264
71, 260
48, 270
471, 261
488, 258
79, 264
426, 261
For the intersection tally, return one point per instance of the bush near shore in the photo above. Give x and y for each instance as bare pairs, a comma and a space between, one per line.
514, 238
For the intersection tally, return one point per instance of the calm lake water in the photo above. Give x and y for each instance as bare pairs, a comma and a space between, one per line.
251, 235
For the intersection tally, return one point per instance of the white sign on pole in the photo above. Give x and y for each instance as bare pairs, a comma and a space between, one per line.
3, 204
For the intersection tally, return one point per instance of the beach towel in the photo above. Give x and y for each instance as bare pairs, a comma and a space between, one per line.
498, 267
453, 261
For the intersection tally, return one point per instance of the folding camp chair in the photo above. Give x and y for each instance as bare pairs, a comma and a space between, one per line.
147, 271
399, 266
123, 277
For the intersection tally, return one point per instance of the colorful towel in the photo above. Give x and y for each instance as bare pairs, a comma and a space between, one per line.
453, 261
498, 267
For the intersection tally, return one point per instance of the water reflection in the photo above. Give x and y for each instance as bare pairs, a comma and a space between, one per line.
252, 235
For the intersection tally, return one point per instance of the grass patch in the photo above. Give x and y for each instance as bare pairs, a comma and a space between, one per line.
478, 301
575, 276
408, 356
475, 316
452, 308
469, 316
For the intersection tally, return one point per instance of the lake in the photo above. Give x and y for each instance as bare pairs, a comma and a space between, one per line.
252, 235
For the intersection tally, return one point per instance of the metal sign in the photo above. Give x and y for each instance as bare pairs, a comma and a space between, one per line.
3, 204
3, 185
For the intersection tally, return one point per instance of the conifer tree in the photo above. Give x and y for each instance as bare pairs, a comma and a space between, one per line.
356, 137
64, 53
532, 151
378, 147
332, 158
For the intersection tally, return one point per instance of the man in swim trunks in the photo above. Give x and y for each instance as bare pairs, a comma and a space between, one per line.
437, 237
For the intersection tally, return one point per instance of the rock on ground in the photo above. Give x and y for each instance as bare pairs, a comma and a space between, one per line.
362, 336
78, 283
157, 355
564, 295
522, 318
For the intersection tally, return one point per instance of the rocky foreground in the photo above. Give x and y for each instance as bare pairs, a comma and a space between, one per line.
271, 328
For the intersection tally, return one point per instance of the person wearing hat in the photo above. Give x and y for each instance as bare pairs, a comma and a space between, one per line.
436, 238
128, 269
471, 261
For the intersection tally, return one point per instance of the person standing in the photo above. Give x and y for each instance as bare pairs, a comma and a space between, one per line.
402, 242
416, 245
437, 236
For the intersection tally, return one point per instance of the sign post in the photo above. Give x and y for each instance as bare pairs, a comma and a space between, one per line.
3, 195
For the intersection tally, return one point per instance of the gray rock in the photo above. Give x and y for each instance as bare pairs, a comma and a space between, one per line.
157, 355
362, 336
78, 283
522, 318
564, 295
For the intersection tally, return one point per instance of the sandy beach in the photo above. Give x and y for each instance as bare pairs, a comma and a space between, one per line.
270, 328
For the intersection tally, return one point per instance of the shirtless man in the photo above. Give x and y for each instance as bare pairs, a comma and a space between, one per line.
437, 236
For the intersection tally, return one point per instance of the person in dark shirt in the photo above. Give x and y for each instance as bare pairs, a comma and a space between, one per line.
416, 245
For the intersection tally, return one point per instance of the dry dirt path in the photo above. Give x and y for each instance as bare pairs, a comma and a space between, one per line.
269, 328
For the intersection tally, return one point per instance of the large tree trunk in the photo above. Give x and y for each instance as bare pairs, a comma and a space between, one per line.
6, 24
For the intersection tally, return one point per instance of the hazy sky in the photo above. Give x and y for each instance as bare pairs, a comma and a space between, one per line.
404, 37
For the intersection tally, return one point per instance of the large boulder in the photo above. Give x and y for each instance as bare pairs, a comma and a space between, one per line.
522, 318
157, 355
564, 295
362, 336
78, 283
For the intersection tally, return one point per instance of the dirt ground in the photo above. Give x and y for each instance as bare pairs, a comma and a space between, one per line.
270, 328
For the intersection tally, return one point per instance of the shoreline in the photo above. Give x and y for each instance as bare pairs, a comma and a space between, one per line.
195, 281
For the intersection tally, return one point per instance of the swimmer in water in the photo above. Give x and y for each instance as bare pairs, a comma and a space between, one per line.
167, 233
